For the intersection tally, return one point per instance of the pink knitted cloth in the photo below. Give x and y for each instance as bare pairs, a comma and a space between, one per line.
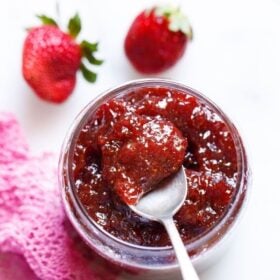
35, 237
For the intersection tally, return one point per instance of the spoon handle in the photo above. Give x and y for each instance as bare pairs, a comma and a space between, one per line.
187, 269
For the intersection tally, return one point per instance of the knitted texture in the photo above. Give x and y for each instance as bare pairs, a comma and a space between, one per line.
32, 221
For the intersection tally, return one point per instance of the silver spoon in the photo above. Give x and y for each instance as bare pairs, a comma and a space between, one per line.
160, 205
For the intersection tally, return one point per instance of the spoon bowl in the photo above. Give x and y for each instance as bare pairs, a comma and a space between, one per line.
161, 204
165, 200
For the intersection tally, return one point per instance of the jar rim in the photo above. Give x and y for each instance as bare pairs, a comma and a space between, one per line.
113, 92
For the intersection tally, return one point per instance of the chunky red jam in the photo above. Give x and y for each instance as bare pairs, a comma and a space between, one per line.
138, 152
133, 142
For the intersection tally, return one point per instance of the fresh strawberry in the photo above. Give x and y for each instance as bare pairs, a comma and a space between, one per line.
157, 39
51, 59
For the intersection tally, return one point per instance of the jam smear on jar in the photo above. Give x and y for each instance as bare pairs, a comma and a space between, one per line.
131, 143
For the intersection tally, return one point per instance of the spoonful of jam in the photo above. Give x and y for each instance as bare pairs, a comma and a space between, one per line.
139, 152
142, 161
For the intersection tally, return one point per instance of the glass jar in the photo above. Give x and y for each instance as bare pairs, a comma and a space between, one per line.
150, 262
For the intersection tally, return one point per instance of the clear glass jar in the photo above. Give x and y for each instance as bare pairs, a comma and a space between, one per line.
154, 262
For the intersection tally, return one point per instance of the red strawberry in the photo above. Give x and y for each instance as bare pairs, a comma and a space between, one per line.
157, 39
51, 59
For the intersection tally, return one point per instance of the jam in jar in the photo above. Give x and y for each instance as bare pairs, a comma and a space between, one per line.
132, 142
123, 144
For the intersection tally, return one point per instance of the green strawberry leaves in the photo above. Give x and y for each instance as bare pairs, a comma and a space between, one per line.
89, 46
93, 60
88, 50
74, 25
178, 21
88, 75
47, 20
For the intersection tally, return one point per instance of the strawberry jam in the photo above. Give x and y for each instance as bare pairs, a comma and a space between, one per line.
138, 152
132, 142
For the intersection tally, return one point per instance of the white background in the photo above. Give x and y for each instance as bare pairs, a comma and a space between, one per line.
234, 59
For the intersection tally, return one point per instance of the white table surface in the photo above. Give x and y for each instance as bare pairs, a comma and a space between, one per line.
234, 59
